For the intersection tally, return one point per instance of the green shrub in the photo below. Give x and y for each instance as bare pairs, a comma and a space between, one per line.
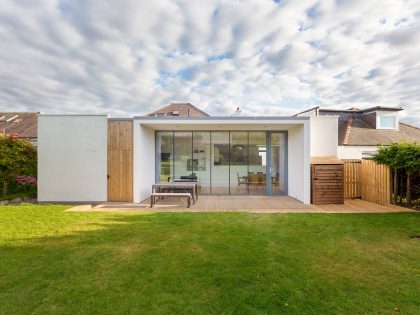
18, 166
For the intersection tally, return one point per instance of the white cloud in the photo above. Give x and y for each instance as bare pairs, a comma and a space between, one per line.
130, 57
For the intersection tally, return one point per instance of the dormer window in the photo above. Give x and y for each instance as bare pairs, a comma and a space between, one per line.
387, 122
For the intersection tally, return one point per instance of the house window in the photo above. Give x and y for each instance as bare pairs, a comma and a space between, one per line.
368, 155
387, 122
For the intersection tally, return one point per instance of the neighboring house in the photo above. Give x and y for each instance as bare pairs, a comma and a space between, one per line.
23, 124
360, 131
178, 110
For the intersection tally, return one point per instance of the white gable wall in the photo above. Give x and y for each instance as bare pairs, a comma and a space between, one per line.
324, 135
72, 158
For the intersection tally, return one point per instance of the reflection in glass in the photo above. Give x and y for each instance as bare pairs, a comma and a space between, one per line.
183, 164
164, 155
257, 162
239, 162
220, 162
201, 159
278, 156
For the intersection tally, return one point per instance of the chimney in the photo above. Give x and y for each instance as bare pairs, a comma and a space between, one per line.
237, 112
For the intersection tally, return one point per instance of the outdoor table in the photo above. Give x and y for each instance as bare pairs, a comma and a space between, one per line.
191, 186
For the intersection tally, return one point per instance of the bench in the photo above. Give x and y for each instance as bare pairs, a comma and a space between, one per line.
153, 197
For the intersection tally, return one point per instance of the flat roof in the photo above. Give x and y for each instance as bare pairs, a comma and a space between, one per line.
366, 110
210, 118
72, 114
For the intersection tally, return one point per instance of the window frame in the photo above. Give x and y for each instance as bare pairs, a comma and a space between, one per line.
394, 122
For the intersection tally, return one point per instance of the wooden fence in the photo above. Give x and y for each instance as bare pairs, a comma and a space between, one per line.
352, 179
367, 180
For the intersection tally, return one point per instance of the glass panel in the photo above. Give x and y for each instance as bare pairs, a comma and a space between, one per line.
164, 155
183, 162
257, 162
278, 163
201, 160
220, 162
239, 162
387, 122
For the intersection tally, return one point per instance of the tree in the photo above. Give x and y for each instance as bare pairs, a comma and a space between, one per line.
400, 156
409, 157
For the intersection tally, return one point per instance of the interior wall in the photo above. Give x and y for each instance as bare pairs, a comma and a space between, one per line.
72, 158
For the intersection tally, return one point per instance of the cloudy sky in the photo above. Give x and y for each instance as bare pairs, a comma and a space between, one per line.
267, 57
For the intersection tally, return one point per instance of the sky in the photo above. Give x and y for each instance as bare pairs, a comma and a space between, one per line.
130, 57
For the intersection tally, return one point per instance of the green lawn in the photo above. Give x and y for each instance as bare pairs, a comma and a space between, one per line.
53, 261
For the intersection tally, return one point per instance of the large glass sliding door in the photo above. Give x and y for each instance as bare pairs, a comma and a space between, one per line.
225, 162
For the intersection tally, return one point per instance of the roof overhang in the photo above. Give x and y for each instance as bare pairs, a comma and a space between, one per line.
221, 123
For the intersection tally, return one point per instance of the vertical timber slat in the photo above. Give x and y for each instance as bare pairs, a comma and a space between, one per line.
375, 182
120, 160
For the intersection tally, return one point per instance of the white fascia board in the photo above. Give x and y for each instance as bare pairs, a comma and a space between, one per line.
72, 115
210, 124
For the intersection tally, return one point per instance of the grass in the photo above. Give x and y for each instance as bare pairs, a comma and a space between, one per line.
56, 262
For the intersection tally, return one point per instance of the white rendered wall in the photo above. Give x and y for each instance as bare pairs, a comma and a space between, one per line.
72, 158
354, 152
144, 161
324, 135
299, 163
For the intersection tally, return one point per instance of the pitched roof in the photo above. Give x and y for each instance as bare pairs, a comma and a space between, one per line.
359, 132
184, 109
22, 123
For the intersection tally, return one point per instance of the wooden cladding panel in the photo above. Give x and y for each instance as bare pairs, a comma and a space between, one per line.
327, 183
120, 160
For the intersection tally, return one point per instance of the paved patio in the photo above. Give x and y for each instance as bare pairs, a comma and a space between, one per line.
253, 204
